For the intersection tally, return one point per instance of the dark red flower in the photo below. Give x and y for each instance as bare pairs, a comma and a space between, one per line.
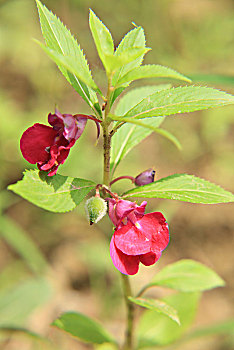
138, 237
49, 146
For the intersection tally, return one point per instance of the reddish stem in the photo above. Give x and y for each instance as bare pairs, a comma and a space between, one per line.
105, 189
123, 177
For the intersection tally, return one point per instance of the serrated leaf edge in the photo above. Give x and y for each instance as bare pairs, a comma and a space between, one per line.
128, 193
179, 88
42, 7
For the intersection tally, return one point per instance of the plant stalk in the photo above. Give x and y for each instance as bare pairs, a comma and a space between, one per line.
128, 343
106, 138
121, 178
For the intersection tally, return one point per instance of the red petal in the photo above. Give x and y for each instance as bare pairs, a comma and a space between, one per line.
53, 171
126, 264
149, 258
156, 229
34, 141
132, 241
149, 234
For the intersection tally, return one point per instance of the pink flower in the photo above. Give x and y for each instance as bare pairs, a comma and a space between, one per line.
138, 237
49, 146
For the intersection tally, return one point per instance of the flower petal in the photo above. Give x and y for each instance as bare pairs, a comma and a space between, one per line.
81, 123
126, 264
156, 230
132, 241
149, 258
111, 210
149, 234
34, 142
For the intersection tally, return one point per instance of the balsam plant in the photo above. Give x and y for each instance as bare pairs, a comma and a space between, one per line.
138, 237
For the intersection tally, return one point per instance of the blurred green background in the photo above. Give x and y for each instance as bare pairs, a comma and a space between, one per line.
55, 262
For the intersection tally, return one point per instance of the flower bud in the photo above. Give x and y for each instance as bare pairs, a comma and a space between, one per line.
96, 208
145, 178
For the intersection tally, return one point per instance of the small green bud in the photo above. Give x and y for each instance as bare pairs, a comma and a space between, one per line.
96, 208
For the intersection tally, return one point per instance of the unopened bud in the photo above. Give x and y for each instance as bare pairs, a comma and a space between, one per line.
145, 178
96, 208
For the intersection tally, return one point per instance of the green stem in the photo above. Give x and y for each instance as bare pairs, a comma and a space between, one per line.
142, 291
106, 138
128, 343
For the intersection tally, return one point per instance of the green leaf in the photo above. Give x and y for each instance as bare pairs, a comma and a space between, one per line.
224, 328
158, 330
19, 302
102, 38
59, 39
183, 187
106, 347
136, 95
213, 78
159, 131
151, 71
114, 62
158, 306
70, 63
134, 38
18, 239
22, 331
58, 193
83, 327
179, 100
128, 136
187, 276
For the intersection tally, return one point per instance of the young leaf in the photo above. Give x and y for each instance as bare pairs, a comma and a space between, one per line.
158, 306
183, 187
58, 193
187, 276
159, 131
114, 62
128, 136
102, 38
83, 327
59, 39
22, 244
159, 330
151, 71
179, 100
134, 38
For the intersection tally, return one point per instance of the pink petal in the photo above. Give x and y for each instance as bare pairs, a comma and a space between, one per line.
149, 234
91, 117
126, 264
156, 229
34, 142
132, 241
112, 214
